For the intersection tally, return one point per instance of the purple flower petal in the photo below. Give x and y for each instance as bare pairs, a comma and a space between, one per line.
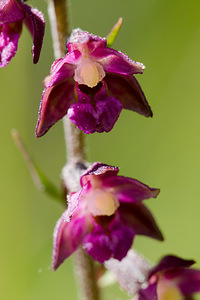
188, 281
108, 111
9, 36
139, 218
10, 12
128, 189
128, 91
54, 105
98, 169
97, 245
35, 22
98, 118
114, 61
170, 262
149, 293
66, 238
102, 246
84, 116
122, 238
61, 72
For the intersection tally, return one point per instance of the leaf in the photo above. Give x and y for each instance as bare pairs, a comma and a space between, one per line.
40, 180
113, 33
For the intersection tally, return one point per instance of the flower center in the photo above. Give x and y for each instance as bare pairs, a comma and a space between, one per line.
168, 291
102, 203
89, 73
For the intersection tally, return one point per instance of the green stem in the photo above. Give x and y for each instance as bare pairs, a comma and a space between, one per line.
84, 265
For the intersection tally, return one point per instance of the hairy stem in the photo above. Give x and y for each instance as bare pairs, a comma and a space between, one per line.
58, 12
85, 273
84, 265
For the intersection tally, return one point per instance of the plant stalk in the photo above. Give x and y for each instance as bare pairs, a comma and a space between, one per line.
74, 138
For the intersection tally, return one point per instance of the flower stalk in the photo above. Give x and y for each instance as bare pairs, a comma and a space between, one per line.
58, 12
84, 265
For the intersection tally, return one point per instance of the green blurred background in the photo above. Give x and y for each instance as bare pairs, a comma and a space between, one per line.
162, 152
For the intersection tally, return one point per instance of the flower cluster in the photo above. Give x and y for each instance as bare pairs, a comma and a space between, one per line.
13, 13
104, 216
91, 84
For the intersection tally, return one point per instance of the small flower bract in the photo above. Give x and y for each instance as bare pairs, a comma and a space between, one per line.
91, 84
13, 13
104, 216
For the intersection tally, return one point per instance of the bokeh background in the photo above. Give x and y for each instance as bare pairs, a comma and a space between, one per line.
162, 152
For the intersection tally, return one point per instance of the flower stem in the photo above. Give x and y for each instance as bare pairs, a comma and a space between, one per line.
58, 12
84, 265
85, 273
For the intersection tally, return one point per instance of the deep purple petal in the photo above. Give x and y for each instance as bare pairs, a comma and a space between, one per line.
9, 36
102, 246
149, 293
10, 12
128, 189
66, 238
170, 262
122, 239
139, 218
108, 111
116, 62
84, 116
98, 169
128, 91
54, 105
35, 22
188, 280
95, 111
97, 245
92, 119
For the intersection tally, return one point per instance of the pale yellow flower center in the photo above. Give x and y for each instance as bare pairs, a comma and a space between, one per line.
89, 72
105, 203
167, 290
102, 203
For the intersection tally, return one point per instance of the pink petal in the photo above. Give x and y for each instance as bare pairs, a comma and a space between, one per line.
128, 189
139, 218
66, 238
9, 36
54, 105
10, 12
35, 22
114, 61
128, 91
